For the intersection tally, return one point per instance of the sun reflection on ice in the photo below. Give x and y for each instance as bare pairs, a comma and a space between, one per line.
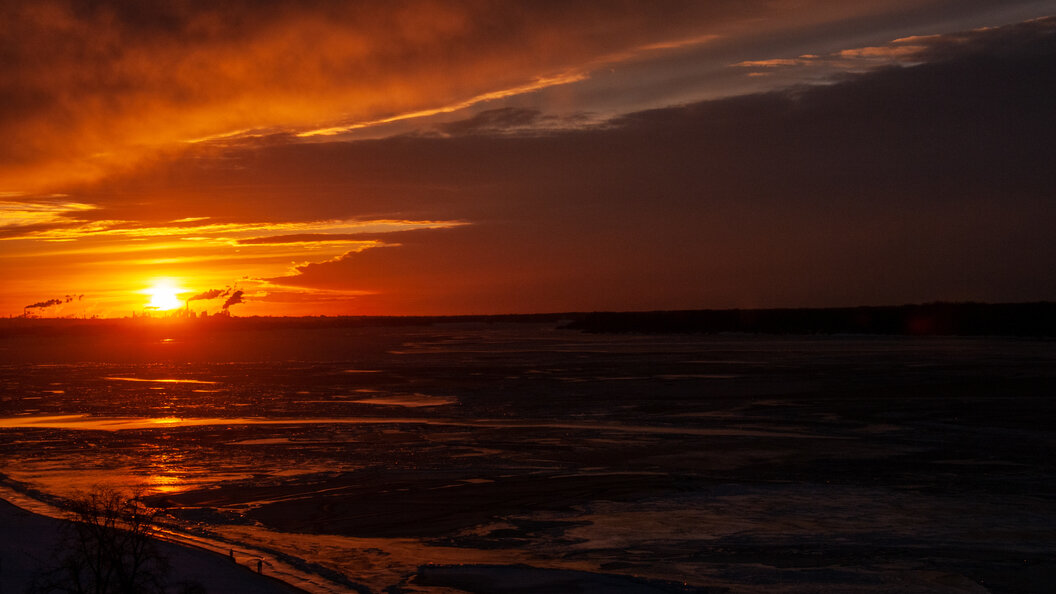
165, 472
164, 484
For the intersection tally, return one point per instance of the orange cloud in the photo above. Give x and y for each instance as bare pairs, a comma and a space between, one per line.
95, 88
19, 215
59, 225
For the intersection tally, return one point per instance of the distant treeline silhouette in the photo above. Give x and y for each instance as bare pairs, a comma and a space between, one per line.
955, 319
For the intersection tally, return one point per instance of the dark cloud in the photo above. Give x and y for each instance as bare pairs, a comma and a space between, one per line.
493, 120
906, 184
980, 44
1005, 42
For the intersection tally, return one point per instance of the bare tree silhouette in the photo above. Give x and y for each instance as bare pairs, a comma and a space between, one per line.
106, 548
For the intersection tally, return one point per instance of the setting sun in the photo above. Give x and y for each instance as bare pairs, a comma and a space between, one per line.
163, 296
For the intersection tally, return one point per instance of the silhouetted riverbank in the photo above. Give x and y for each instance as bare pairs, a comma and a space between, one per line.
929, 319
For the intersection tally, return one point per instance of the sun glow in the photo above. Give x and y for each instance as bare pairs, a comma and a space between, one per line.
163, 296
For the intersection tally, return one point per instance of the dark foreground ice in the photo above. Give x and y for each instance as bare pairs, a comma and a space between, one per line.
512, 458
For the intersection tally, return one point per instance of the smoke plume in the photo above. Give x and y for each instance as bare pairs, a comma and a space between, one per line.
234, 299
43, 304
211, 294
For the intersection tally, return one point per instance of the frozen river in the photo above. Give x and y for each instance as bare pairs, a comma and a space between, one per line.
481, 456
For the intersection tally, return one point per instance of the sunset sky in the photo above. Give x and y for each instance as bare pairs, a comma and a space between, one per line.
429, 157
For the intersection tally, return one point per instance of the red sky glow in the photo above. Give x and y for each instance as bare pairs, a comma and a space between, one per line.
422, 157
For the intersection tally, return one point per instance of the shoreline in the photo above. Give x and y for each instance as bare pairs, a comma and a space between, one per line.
27, 539
1035, 319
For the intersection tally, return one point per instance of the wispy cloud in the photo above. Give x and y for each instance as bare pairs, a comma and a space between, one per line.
567, 77
308, 239
538, 84
904, 51
15, 214
57, 223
